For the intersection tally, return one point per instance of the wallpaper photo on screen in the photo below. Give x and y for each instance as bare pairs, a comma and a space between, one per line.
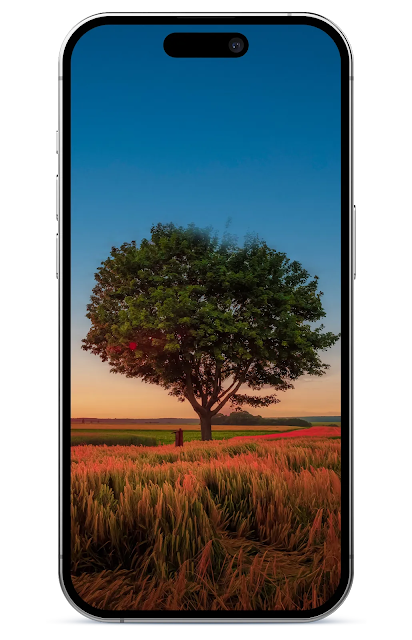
205, 322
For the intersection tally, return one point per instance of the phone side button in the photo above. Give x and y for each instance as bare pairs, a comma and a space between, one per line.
57, 255
57, 198
354, 242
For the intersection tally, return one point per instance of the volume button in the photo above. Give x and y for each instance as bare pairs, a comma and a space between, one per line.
57, 255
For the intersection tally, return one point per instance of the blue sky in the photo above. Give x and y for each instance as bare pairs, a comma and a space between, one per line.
158, 139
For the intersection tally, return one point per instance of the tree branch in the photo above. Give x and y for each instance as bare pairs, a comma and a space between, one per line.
200, 385
218, 408
235, 381
216, 386
189, 393
231, 390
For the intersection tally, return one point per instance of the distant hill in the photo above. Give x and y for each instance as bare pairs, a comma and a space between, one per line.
322, 418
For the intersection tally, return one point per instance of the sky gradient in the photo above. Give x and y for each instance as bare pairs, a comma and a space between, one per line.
155, 139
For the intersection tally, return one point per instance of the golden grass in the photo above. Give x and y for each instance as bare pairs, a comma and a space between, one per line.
217, 525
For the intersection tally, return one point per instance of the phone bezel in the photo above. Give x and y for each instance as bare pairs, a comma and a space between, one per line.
347, 207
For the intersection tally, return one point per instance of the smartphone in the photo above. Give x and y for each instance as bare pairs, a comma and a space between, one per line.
205, 264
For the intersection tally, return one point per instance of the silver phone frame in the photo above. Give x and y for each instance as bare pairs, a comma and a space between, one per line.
352, 259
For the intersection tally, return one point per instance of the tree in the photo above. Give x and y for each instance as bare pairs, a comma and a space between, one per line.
219, 418
204, 317
244, 417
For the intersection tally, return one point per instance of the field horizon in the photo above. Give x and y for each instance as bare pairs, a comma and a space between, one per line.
166, 420
187, 424
185, 427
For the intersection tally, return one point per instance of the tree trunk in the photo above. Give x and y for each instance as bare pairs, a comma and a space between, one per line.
206, 427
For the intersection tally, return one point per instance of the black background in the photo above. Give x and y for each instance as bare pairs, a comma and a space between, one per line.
363, 600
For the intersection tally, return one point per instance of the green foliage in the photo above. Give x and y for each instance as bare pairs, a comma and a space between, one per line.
203, 317
111, 438
244, 417
326, 424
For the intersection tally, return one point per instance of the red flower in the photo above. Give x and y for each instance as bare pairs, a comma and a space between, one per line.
132, 345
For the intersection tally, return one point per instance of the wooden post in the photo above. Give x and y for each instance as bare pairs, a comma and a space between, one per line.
178, 437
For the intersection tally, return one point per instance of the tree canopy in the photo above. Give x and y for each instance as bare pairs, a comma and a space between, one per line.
203, 317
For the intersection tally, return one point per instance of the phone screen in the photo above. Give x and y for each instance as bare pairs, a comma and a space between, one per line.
209, 325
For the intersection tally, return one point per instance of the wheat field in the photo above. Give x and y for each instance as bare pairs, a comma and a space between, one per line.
250, 525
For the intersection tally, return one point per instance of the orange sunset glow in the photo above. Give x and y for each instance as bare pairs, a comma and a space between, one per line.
98, 393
